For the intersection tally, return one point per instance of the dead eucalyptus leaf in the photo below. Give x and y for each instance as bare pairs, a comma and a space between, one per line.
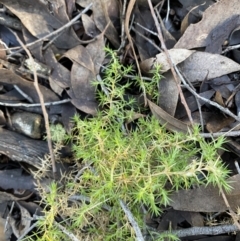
19, 228
207, 199
89, 26
36, 17
86, 65
164, 118
168, 93
104, 13
177, 56
201, 65
200, 34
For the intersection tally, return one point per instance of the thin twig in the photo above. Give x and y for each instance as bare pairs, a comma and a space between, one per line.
27, 231
45, 114
195, 231
23, 94
68, 233
7, 220
146, 29
147, 39
217, 134
139, 236
198, 104
83, 198
229, 48
237, 166
160, 36
36, 104
225, 110
123, 42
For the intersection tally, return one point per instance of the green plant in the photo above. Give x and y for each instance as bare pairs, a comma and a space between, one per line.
140, 165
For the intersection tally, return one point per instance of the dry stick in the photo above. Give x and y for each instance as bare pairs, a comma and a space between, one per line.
34, 105
27, 231
139, 236
23, 94
70, 23
122, 27
217, 134
160, 36
68, 233
147, 39
198, 104
229, 48
225, 110
237, 166
45, 114
147, 30
215, 230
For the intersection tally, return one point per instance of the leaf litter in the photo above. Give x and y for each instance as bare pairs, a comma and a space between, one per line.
202, 38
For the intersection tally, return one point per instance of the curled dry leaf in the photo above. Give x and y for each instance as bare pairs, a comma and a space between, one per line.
104, 13
19, 228
202, 33
89, 26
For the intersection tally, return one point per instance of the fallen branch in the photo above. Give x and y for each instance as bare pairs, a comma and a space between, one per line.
194, 231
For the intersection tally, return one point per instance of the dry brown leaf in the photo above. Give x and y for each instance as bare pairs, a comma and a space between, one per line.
89, 26
201, 65
59, 78
86, 65
84, 92
81, 56
8, 77
19, 228
219, 99
193, 16
164, 118
43, 22
105, 12
168, 93
199, 35
206, 199
218, 122
177, 56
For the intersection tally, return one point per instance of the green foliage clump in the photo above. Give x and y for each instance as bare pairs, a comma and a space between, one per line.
139, 163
